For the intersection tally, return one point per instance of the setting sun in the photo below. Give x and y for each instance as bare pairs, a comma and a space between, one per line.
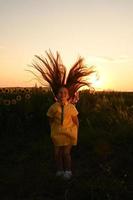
97, 84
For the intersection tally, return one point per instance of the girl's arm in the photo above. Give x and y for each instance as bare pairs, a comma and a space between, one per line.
75, 120
50, 119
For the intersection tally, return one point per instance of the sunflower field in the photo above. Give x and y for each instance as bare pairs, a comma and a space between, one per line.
102, 160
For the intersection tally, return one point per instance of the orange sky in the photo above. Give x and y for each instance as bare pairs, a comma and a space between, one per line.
99, 30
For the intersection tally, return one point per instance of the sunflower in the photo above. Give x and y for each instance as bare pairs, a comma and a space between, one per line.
1, 101
13, 101
27, 96
18, 98
3, 90
7, 102
7, 91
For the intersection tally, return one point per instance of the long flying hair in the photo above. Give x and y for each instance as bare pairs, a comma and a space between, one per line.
53, 72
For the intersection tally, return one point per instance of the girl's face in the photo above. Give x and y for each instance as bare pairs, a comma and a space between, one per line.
63, 94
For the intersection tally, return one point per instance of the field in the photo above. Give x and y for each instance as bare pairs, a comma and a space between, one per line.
102, 160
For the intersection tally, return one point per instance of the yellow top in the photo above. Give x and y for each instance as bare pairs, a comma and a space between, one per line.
66, 133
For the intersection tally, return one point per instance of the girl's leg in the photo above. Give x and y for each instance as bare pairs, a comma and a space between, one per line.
58, 158
67, 157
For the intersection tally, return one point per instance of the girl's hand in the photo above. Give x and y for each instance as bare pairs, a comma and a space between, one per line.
50, 120
75, 120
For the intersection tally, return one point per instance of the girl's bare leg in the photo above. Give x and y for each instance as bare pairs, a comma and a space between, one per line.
58, 158
67, 157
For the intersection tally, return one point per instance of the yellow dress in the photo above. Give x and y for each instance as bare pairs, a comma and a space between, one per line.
66, 133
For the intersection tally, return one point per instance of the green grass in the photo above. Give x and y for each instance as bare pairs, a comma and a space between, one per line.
102, 160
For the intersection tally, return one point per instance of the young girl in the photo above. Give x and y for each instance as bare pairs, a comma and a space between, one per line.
64, 124
62, 114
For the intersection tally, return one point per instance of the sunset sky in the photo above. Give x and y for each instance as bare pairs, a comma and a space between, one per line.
101, 31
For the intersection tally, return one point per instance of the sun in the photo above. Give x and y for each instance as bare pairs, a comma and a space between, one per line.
101, 83
96, 82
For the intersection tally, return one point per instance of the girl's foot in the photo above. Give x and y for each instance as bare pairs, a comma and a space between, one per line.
60, 173
67, 175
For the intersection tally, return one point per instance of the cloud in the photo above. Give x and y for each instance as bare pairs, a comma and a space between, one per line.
122, 59
102, 59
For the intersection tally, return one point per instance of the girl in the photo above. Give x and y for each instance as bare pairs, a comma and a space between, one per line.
62, 114
64, 124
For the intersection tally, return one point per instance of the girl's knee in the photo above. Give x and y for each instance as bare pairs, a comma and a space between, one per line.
58, 152
66, 151
66, 154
